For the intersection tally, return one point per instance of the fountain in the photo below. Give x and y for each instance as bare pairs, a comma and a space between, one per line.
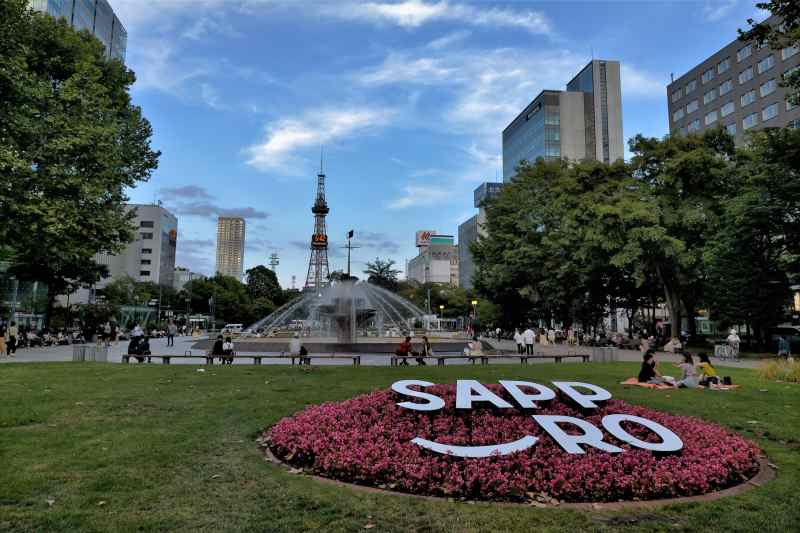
343, 317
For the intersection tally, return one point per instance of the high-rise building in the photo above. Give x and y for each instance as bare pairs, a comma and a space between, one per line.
96, 16
151, 255
230, 247
583, 122
437, 261
184, 276
738, 89
472, 230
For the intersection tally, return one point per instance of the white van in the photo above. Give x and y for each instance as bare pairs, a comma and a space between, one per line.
233, 328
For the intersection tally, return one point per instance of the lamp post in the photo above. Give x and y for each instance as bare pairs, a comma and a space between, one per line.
474, 315
441, 311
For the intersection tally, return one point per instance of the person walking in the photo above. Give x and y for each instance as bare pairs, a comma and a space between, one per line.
520, 341
733, 341
13, 332
529, 337
3, 336
172, 330
784, 350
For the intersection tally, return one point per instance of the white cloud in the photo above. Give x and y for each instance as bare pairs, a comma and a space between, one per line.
158, 66
205, 26
415, 13
421, 195
210, 97
449, 39
716, 10
636, 82
286, 136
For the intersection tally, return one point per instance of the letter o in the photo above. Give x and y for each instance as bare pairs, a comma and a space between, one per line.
670, 442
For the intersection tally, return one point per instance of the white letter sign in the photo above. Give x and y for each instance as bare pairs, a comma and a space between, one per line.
591, 435
525, 400
670, 442
465, 396
434, 402
584, 400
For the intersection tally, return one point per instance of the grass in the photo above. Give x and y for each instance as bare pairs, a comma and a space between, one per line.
153, 448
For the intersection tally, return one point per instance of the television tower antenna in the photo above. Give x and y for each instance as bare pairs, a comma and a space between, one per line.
274, 261
318, 270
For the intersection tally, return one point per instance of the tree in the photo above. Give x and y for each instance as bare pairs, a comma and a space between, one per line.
755, 257
263, 283
71, 142
232, 301
382, 273
339, 275
785, 35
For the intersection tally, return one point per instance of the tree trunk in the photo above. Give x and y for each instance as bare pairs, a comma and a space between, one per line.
674, 303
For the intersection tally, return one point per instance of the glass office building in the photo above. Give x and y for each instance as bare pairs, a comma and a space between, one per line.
94, 16
583, 122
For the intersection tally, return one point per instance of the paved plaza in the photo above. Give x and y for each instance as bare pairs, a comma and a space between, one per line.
184, 345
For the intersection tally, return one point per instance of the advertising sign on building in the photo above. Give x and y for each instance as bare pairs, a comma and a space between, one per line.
424, 237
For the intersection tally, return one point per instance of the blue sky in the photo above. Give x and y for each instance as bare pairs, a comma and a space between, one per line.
408, 99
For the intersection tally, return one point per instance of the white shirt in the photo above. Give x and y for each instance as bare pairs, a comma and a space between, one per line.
529, 336
733, 338
294, 346
518, 338
227, 346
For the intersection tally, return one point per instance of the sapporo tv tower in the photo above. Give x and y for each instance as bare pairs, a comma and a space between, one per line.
318, 270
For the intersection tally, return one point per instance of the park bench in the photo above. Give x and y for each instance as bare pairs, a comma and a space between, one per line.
306, 359
209, 359
523, 359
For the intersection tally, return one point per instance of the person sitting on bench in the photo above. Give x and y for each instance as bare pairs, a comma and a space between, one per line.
227, 351
426, 351
216, 350
404, 351
135, 348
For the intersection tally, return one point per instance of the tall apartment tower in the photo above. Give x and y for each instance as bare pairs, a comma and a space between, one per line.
473, 229
230, 247
737, 88
583, 122
96, 16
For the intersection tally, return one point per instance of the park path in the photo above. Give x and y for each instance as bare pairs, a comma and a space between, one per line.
182, 344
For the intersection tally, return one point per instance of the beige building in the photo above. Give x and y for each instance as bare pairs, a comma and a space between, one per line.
230, 247
738, 89
437, 261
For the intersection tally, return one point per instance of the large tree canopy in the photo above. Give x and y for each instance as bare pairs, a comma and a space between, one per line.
382, 273
70, 143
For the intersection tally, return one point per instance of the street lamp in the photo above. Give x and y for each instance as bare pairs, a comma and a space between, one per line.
441, 311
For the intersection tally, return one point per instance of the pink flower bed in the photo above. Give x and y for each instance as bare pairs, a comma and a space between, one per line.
367, 440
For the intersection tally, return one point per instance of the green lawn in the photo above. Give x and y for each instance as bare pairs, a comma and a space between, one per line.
153, 448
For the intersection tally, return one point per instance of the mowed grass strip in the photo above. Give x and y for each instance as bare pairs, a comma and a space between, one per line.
99, 447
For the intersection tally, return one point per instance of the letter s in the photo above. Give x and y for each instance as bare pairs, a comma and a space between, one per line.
434, 402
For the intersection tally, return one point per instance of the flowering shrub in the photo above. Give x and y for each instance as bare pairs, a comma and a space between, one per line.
367, 440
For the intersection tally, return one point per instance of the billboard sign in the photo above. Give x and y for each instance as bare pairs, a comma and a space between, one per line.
424, 237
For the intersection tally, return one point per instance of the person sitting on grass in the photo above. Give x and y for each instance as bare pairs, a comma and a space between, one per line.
227, 351
708, 375
649, 373
217, 350
404, 350
689, 379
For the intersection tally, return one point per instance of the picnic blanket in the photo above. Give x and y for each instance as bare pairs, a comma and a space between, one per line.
635, 382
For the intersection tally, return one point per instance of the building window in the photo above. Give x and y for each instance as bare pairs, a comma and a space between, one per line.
786, 53
731, 128
144, 272
691, 107
146, 224
768, 87
676, 95
691, 86
711, 117
147, 250
748, 98
694, 126
723, 65
750, 121
145, 262
726, 87
769, 112
727, 109
146, 236
708, 76
766, 64
790, 105
794, 124
709, 96
746, 75
677, 115
744, 53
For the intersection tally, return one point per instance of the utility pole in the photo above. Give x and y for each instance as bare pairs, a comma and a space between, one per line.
274, 261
